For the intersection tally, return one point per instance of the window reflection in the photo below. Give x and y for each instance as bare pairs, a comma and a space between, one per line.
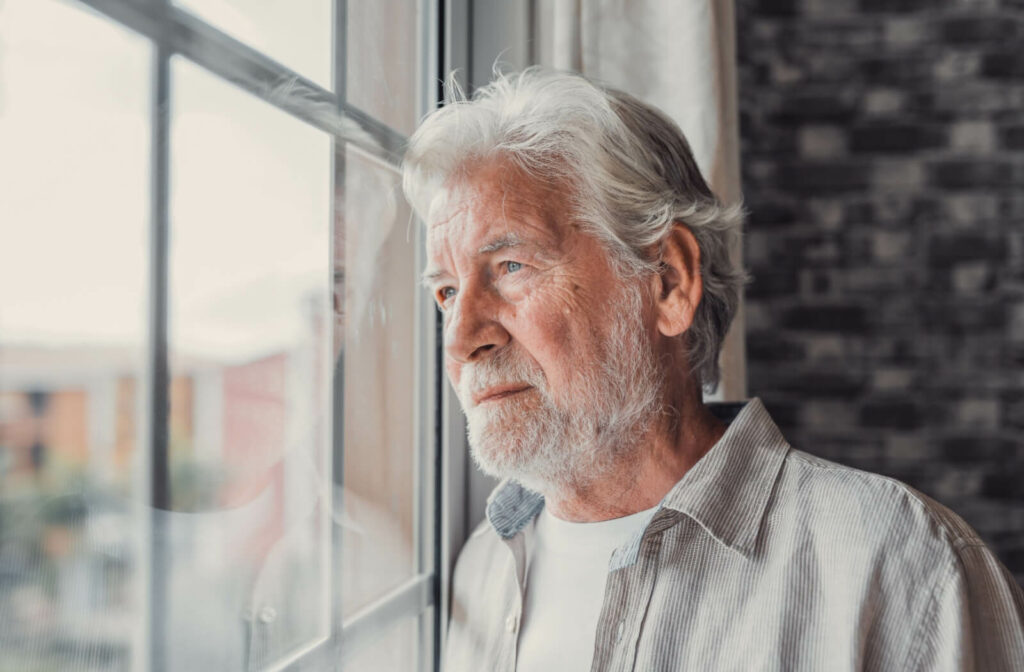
378, 506
249, 320
382, 64
73, 221
248, 577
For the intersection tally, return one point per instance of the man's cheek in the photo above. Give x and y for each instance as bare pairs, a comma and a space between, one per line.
454, 372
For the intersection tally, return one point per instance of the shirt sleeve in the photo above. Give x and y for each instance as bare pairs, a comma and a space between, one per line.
975, 619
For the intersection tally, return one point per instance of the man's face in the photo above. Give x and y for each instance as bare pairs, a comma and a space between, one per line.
547, 347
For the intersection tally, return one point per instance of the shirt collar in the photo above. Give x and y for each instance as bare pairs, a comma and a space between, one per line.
511, 506
726, 492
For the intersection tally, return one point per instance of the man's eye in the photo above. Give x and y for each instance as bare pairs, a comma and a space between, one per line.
446, 293
513, 266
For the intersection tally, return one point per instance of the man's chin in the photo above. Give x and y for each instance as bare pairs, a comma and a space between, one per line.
532, 471
499, 458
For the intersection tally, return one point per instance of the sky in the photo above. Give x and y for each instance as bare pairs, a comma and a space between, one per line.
250, 186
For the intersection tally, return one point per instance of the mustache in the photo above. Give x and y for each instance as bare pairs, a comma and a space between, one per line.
504, 368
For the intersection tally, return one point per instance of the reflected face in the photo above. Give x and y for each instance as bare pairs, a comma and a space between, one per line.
547, 347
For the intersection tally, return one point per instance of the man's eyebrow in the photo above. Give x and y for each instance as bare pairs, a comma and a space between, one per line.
431, 275
501, 244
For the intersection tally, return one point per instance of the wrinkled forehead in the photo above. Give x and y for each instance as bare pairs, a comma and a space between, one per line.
488, 197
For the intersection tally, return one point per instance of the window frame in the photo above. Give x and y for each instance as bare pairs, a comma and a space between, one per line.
442, 33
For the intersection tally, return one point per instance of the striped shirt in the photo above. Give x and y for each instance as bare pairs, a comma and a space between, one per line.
761, 557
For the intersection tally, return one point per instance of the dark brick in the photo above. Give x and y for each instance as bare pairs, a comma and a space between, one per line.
784, 413
861, 211
816, 282
971, 173
1015, 355
968, 99
969, 246
770, 213
874, 6
981, 29
814, 107
776, 7
900, 209
823, 34
773, 282
838, 318
904, 351
1013, 557
975, 448
771, 140
924, 210
1008, 484
1008, 64
856, 245
898, 69
963, 318
891, 414
809, 249
1011, 208
979, 360
914, 473
1008, 539
1012, 137
824, 65
896, 137
773, 346
815, 178
1013, 410
1011, 116
823, 383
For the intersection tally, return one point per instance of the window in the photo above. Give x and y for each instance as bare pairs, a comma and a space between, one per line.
219, 402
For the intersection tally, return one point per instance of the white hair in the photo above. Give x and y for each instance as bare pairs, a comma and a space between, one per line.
628, 167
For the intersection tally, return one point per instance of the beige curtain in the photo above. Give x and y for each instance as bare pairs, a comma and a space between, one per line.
678, 55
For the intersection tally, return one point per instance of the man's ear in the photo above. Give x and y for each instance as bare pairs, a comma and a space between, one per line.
678, 285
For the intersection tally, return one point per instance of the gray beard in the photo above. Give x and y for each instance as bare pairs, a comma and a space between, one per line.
551, 449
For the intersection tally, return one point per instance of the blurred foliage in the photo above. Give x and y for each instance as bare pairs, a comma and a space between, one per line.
195, 486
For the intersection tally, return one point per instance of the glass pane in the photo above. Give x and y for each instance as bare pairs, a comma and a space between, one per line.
250, 350
295, 34
381, 479
382, 64
74, 215
397, 648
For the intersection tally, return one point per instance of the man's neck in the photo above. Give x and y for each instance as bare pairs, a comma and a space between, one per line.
654, 465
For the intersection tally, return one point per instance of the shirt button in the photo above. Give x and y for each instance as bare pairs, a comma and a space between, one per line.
622, 628
268, 614
510, 623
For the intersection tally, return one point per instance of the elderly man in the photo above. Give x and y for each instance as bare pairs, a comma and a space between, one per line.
582, 266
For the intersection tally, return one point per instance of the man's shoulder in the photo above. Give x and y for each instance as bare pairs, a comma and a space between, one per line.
870, 508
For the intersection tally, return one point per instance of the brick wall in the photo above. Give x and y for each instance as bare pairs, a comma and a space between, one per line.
883, 168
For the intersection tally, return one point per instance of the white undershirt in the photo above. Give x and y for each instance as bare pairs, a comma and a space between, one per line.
565, 584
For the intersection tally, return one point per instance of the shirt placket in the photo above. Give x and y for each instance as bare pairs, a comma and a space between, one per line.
627, 598
514, 607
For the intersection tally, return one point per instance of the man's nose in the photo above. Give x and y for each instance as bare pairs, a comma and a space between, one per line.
473, 329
